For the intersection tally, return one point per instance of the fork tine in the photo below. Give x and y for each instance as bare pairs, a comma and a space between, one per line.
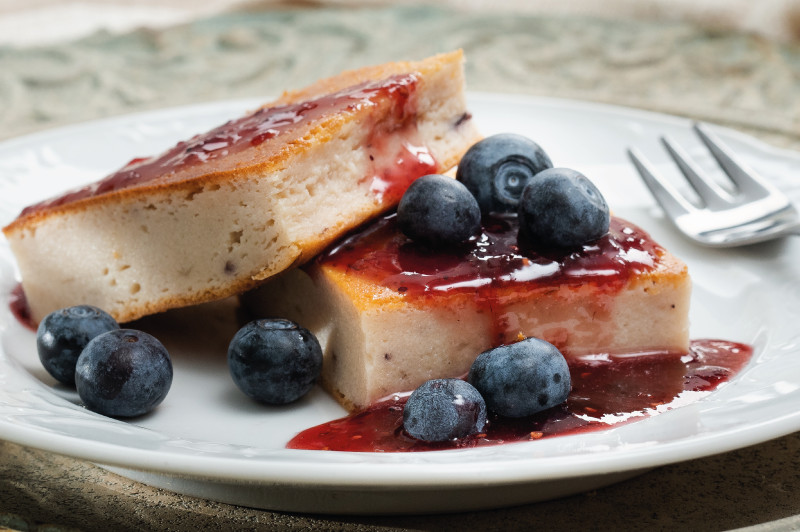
747, 180
710, 192
670, 199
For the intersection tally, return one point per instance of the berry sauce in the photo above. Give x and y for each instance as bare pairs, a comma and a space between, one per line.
494, 270
18, 304
607, 391
397, 158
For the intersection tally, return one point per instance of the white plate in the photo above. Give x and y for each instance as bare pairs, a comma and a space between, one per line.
208, 440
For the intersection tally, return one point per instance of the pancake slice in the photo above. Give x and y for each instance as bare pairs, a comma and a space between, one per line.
222, 212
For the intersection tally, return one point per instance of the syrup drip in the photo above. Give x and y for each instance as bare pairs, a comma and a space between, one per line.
607, 391
18, 304
406, 162
494, 269
398, 158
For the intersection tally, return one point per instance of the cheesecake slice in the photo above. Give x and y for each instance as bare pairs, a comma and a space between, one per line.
391, 314
222, 212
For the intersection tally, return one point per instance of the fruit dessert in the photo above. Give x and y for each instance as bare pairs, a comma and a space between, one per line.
408, 298
224, 211
561, 267
511, 250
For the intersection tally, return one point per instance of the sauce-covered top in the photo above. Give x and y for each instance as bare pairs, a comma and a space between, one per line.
493, 260
494, 269
252, 130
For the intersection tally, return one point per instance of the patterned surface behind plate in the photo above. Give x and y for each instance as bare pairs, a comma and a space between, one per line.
671, 67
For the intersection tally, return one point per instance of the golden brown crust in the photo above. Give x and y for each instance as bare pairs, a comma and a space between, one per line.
336, 394
162, 305
670, 272
350, 78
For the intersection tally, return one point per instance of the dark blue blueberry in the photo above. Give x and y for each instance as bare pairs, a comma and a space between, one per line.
444, 409
274, 361
562, 208
123, 373
438, 211
63, 334
497, 169
521, 379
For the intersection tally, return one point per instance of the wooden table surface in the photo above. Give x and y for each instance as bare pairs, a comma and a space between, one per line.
736, 80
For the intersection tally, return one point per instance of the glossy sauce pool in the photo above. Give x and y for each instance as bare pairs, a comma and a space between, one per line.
607, 392
397, 157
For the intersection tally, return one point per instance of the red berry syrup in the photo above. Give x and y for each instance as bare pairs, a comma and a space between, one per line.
397, 156
607, 391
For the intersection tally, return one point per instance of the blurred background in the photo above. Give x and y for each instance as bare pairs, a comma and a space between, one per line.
734, 62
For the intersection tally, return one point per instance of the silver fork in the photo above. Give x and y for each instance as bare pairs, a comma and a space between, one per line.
756, 213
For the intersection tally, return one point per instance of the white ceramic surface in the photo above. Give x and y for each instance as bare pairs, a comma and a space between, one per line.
207, 439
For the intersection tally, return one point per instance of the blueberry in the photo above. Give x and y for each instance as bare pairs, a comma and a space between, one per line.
63, 334
521, 379
444, 409
438, 211
274, 361
123, 373
562, 208
497, 169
